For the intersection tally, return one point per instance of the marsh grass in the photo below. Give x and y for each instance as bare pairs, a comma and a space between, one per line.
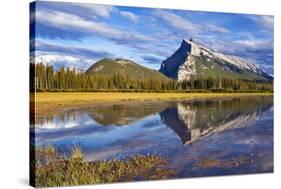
45, 154
48, 102
76, 171
76, 153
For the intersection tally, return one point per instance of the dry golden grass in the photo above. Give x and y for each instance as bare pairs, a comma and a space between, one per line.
76, 152
51, 101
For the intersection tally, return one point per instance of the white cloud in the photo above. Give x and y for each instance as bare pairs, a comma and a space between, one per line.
68, 61
106, 10
253, 43
129, 15
99, 10
176, 21
71, 22
49, 58
266, 22
215, 28
185, 25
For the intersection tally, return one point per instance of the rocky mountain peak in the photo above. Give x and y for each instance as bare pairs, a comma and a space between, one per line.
193, 59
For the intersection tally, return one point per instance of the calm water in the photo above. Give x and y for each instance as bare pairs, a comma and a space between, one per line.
198, 138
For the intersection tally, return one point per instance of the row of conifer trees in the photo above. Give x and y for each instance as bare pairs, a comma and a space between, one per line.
48, 79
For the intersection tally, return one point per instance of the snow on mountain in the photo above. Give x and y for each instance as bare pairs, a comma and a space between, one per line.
191, 58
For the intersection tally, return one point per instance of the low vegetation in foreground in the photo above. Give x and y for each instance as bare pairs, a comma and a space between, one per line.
51, 170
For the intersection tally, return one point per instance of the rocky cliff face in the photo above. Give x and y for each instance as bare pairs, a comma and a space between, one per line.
195, 60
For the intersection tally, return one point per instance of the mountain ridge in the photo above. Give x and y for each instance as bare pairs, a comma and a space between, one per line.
192, 59
127, 67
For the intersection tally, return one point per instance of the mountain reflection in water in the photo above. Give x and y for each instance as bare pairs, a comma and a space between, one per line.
198, 137
189, 120
193, 120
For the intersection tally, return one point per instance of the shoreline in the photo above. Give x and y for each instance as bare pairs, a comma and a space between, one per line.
43, 103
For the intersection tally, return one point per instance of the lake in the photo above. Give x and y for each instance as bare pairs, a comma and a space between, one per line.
197, 137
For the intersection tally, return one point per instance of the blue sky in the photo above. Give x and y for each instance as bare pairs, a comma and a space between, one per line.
78, 35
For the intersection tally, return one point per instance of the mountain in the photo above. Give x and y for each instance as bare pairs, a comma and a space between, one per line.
110, 67
195, 120
121, 115
194, 60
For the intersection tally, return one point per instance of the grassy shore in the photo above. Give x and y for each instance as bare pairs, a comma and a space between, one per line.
46, 102
52, 170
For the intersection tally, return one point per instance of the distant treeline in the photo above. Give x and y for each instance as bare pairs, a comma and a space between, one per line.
66, 79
